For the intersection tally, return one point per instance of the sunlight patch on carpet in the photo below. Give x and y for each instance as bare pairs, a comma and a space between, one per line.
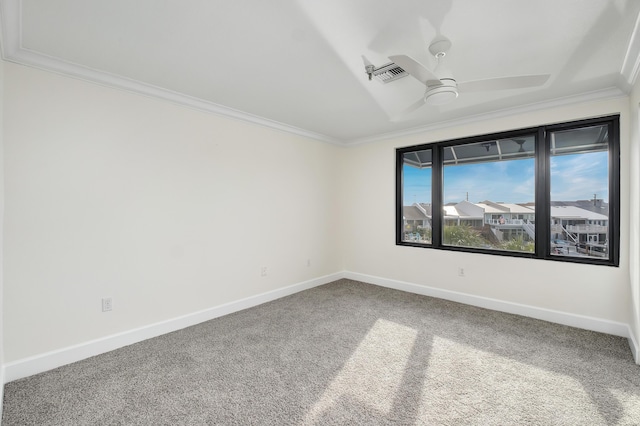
480, 384
630, 403
373, 373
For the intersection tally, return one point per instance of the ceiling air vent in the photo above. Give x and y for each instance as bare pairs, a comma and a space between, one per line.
389, 72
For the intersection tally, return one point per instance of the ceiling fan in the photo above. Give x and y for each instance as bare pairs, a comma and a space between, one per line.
520, 142
443, 88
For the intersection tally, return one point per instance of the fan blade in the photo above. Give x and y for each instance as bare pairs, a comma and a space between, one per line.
414, 106
504, 83
417, 70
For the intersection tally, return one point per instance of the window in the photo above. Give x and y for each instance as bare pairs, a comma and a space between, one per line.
416, 205
579, 208
550, 192
498, 174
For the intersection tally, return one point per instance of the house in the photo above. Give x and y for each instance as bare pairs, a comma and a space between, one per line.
115, 187
415, 217
579, 225
509, 221
465, 213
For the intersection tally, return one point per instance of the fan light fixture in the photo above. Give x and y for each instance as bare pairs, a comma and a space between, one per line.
441, 95
442, 88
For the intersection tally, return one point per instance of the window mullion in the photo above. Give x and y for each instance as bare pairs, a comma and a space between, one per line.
436, 194
614, 192
399, 196
543, 193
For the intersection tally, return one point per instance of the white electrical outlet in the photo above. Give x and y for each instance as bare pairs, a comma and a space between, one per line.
107, 304
263, 271
460, 271
308, 262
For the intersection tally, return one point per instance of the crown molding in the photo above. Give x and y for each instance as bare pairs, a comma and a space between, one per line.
10, 26
46, 63
12, 50
631, 64
609, 93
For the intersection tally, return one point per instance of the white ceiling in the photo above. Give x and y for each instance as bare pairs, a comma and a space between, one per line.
296, 65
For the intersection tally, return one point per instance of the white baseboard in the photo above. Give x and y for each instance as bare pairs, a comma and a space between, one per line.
50, 360
635, 349
558, 317
1, 390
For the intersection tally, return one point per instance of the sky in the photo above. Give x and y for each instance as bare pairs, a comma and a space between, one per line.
573, 177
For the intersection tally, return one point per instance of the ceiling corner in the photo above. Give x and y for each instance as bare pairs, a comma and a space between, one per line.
12, 50
10, 27
631, 64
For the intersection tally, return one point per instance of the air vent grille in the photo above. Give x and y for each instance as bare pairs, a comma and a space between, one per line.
389, 72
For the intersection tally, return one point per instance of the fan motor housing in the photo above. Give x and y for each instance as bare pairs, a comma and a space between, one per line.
442, 94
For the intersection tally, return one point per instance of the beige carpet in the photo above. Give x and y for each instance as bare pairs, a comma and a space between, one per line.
346, 353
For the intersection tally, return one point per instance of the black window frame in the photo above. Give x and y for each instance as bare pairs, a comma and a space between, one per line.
542, 190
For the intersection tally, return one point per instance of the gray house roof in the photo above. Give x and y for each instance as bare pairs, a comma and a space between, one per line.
413, 213
594, 205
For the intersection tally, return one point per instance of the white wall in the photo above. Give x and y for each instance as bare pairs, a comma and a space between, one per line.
165, 209
634, 215
1, 234
170, 211
596, 292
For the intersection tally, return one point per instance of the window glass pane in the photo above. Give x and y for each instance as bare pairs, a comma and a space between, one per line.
416, 197
489, 193
579, 209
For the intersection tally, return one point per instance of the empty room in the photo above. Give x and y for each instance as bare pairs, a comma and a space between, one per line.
419, 212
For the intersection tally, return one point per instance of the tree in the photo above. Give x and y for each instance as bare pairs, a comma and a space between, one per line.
425, 234
462, 235
518, 244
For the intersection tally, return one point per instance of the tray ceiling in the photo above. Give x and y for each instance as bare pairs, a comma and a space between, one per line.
297, 66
